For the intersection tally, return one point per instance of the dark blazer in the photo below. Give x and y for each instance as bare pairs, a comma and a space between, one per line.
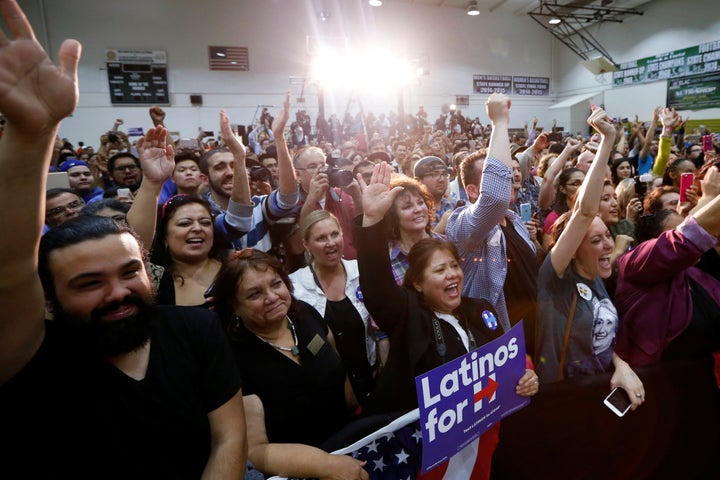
400, 312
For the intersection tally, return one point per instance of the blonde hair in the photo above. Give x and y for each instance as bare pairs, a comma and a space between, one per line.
307, 223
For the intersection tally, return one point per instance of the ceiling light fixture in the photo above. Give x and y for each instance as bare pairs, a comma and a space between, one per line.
375, 3
473, 9
555, 21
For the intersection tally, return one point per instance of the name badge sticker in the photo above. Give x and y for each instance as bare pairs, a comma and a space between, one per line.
315, 344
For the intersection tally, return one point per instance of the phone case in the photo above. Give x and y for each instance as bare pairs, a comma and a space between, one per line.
525, 212
707, 143
686, 181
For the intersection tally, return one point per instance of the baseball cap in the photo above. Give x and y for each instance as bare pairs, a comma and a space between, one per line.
428, 165
515, 149
70, 163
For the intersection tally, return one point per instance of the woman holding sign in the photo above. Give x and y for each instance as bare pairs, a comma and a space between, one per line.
427, 320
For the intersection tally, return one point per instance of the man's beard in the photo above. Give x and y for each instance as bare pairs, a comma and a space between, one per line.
114, 337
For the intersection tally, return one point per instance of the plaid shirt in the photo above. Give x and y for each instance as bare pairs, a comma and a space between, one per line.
476, 232
399, 258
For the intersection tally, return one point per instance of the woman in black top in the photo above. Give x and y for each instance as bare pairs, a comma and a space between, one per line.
294, 383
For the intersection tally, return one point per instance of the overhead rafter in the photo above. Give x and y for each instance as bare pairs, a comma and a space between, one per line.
573, 20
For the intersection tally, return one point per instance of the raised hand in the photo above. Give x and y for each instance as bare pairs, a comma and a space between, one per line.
231, 139
34, 93
669, 118
377, 198
599, 120
498, 107
156, 158
279, 123
633, 210
541, 142
157, 115
572, 145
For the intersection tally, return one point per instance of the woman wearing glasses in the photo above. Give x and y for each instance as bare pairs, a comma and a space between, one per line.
566, 186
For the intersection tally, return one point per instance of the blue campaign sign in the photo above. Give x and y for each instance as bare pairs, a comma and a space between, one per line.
462, 399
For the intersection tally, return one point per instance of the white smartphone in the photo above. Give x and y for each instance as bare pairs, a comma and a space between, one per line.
123, 193
618, 401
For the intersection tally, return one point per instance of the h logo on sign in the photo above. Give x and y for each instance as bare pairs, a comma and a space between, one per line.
487, 392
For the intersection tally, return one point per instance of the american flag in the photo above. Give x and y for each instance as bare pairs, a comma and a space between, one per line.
394, 452
229, 58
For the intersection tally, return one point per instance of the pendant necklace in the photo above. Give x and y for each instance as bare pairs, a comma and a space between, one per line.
294, 350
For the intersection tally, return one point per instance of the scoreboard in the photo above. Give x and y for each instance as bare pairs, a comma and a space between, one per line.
137, 77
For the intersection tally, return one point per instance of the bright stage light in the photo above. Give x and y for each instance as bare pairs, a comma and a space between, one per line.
372, 70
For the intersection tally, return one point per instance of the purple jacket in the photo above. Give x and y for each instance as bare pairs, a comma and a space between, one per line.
653, 296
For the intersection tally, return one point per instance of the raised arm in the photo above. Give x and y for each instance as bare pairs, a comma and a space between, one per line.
669, 119
650, 133
157, 115
241, 185
498, 109
547, 189
287, 181
35, 95
157, 160
588, 201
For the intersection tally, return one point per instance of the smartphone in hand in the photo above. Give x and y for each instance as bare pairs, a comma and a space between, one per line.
686, 181
525, 212
618, 401
707, 143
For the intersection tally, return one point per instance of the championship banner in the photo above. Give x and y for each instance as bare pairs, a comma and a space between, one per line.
462, 399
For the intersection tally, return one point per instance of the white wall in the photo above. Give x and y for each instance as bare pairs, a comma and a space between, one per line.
666, 25
457, 46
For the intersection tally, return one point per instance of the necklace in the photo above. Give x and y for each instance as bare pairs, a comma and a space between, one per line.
294, 350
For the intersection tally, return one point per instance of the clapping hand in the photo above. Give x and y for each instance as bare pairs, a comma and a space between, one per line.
279, 123
231, 139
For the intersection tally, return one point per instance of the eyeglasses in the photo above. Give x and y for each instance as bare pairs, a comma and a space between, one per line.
74, 205
437, 175
129, 168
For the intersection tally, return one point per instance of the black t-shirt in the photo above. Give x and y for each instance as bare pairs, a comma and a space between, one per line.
70, 413
521, 284
303, 403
